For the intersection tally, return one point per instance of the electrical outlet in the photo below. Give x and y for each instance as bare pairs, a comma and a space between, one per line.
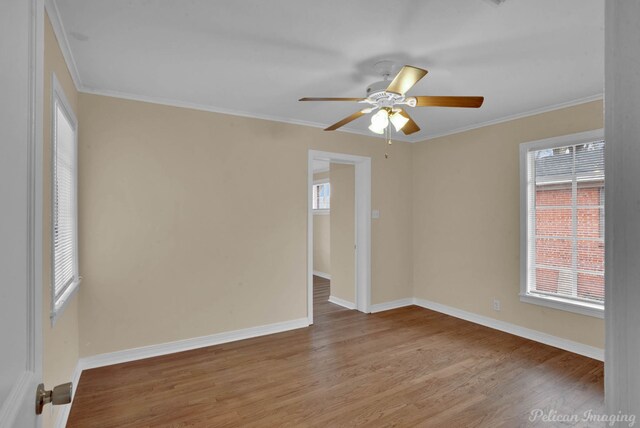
496, 305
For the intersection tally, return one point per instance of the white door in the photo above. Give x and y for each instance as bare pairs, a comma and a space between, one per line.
20, 211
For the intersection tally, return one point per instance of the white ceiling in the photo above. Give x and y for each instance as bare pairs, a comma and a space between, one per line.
257, 58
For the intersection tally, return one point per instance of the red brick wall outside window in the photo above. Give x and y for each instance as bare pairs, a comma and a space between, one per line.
556, 248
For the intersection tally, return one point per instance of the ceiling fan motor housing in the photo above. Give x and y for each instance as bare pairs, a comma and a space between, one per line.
377, 94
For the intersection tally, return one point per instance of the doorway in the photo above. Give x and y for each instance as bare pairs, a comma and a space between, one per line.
360, 168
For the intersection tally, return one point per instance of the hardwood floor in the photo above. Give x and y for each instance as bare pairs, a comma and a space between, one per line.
321, 305
405, 367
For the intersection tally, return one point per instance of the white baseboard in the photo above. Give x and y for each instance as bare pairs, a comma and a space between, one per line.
63, 412
219, 338
386, 306
547, 339
170, 348
188, 344
322, 274
344, 303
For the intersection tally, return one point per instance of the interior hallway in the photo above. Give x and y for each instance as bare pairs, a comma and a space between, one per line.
321, 304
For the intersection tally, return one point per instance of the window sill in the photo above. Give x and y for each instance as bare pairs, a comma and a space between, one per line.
321, 212
592, 310
58, 308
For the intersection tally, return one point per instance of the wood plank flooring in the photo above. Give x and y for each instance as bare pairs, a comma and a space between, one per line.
406, 367
321, 305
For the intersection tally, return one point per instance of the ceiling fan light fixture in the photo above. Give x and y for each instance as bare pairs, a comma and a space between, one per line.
379, 122
398, 121
376, 130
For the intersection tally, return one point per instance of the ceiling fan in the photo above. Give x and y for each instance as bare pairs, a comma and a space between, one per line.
386, 97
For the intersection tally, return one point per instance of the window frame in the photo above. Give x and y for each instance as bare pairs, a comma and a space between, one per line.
59, 101
322, 211
556, 302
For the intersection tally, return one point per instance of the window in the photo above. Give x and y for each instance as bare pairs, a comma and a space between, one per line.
64, 239
321, 197
562, 222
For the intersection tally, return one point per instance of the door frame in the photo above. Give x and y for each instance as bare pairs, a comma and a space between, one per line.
18, 408
362, 226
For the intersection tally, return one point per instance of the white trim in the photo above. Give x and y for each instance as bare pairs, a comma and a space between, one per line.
547, 339
67, 296
35, 197
525, 296
58, 29
516, 116
189, 344
363, 235
538, 336
321, 212
15, 400
321, 170
63, 41
341, 302
386, 306
221, 110
362, 225
59, 98
322, 274
563, 140
134, 354
564, 304
397, 137
65, 410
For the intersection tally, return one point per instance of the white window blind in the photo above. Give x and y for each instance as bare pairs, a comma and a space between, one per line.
321, 196
565, 222
64, 206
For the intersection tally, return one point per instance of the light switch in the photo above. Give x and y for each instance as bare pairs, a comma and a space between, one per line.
375, 214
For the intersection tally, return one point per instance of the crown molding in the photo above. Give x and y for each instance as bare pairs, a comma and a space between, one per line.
522, 115
240, 113
221, 110
58, 28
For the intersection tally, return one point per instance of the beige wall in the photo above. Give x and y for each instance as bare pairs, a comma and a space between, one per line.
343, 234
322, 237
175, 240
172, 247
466, 221
60, 342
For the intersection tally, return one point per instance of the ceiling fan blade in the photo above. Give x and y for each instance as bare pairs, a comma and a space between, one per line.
344, 121
409, 127
330, 99
427, 101
405, 79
